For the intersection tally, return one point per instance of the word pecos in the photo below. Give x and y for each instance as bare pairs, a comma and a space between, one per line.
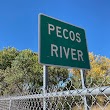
64, 33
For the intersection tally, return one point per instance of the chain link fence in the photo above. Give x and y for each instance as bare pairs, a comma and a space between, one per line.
97, 99
64, 92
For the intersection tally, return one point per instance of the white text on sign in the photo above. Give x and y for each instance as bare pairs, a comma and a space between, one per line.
62, 51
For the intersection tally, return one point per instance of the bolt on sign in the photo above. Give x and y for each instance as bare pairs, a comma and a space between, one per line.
62, 44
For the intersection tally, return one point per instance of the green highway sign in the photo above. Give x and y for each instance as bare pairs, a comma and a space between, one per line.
62, 44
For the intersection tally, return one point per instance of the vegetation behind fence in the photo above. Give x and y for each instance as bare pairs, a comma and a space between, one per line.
22, 75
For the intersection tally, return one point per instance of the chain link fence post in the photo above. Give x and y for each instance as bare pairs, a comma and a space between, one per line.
10, 104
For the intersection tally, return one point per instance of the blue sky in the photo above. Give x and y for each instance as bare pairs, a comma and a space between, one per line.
19, 21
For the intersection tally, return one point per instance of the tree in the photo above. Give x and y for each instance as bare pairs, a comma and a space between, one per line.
7, 55
99, 73
24, 71
57, 74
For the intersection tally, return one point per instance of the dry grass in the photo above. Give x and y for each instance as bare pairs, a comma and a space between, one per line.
93, 108
97, 108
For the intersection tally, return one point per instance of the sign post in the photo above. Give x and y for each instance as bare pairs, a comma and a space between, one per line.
62, 44
45, 84
83, 87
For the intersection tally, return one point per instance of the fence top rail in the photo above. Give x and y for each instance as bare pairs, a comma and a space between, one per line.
78, 92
